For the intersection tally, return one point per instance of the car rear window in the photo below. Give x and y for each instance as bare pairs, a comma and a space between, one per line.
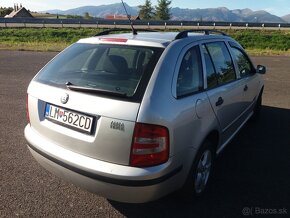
111, 68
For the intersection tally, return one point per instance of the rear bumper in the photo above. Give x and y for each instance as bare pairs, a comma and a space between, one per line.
113, 181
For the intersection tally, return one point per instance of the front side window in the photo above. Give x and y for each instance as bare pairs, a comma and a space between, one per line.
190, 73
110, 68
244, 65
222, 61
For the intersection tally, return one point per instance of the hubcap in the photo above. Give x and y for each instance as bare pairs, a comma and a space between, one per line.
203, 171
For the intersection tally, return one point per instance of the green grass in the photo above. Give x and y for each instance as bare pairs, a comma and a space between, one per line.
42, 39
267, 41
257, 42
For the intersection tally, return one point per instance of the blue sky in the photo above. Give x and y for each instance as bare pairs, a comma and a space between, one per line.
277, 7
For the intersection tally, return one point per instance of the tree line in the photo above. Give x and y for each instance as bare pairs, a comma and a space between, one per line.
147, 12
160, 12
4, 11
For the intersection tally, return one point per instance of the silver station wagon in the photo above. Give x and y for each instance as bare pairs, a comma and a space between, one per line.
134, 117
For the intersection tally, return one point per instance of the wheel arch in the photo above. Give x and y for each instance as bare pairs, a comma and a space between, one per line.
214, 138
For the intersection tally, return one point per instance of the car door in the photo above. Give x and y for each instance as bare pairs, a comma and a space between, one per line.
223, 89
191, 105
247, 75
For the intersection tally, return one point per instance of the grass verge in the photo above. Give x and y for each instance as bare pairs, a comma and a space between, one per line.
256, 42
42, 39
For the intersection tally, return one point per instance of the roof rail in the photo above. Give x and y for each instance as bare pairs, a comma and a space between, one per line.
107, 32
184, 33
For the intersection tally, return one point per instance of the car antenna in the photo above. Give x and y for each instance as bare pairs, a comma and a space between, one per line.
129, 17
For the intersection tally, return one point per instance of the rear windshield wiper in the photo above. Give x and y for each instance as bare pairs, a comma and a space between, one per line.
73, 87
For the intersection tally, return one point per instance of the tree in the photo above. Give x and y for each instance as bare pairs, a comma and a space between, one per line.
5, 11
87, 15
146, 10
163, 10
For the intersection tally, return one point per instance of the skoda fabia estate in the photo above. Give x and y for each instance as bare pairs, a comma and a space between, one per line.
134, 117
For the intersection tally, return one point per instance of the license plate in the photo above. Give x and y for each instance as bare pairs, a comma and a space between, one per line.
69, 118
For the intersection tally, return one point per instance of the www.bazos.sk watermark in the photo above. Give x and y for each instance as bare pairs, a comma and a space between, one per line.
255, 211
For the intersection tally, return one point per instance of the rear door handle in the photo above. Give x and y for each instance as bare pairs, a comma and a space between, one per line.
245, 88
219, 102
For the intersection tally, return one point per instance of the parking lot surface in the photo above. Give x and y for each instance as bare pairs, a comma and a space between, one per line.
252, 176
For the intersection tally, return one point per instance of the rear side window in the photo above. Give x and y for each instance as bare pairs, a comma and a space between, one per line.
244, 65
190, 73
112, 68
222, 60
210, 71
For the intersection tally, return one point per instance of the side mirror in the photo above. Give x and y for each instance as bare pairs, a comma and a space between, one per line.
261, 69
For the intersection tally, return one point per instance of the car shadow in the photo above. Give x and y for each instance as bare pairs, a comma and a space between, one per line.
252, 173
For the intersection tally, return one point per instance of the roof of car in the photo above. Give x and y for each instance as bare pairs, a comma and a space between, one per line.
155, 39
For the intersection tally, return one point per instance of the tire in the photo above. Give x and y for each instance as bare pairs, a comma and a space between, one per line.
200, 172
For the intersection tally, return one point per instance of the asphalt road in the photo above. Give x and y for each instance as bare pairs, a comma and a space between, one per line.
252, 175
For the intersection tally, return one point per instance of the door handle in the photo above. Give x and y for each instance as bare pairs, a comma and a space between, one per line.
245, 88
219, 102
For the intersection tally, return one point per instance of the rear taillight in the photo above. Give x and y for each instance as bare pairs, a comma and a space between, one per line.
27, 111
150, 145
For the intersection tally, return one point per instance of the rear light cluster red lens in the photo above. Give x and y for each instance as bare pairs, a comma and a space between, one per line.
150, 145
27, 111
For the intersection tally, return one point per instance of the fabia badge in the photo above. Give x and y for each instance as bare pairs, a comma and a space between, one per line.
117, 126
64, 98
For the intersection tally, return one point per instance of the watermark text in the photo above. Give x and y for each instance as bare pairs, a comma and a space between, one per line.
256, 211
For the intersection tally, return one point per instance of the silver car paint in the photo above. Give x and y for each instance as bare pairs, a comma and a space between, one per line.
125, 193
107, 152
160, 105
101, 145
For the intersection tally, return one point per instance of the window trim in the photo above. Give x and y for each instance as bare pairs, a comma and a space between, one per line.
240, 48
181, 55
204, 70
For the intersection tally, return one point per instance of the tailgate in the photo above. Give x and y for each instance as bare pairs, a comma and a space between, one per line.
108, 138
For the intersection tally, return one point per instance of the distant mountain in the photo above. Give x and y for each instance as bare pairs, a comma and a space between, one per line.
286, 18
224, 14
209, 14
56, 11
263, 16
243, 12
98, 11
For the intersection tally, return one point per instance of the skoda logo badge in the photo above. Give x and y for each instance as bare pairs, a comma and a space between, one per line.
64, 98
